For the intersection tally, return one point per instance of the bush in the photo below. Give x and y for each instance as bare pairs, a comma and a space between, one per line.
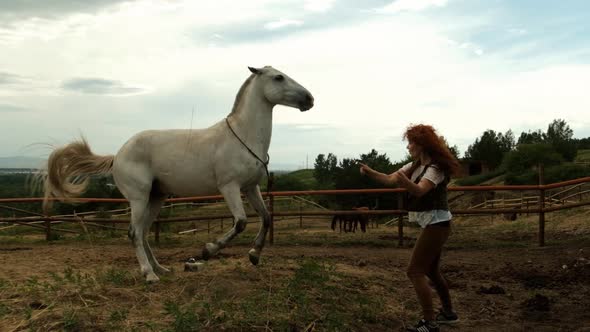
286, 182
552, 174
527, 156
479, 178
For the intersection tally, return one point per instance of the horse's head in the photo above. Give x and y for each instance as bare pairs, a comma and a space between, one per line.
280, 89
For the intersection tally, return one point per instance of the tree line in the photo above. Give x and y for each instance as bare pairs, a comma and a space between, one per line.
503, 153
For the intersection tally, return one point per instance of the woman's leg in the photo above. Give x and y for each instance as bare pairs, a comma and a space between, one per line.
440, 284
426, 251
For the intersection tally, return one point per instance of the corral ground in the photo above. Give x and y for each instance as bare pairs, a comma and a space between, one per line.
311, 279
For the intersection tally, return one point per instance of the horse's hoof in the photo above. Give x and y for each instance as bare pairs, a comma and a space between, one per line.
254, 257
151, 278
210, 250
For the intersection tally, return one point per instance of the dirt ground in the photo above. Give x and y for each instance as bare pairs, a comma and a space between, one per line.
495, 288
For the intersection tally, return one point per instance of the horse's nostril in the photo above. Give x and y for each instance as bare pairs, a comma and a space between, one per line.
309, 98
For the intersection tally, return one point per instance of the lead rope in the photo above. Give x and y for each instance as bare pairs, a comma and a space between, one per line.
265, 164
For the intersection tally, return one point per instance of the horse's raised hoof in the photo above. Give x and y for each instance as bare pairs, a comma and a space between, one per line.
151, 278
209, 251
254, 257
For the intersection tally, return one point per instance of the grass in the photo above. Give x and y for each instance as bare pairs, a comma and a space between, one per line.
314, 294
281, 294
478, 179
583, 156
185, 319
305, 177
117, 277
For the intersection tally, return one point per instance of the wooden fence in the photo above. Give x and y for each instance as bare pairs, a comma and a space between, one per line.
539, 204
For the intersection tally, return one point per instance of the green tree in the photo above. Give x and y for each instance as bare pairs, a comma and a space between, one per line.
583, 143
559, 130
324, 168
527, 156
531, 137
454, 150
559, 135
491, 147
506, 141
347, 176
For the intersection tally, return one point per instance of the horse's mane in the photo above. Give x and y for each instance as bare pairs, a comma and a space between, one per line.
241, 94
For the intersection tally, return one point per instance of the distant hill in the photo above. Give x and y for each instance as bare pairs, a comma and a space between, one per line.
583, 156
283, 167
305, 176
21, 162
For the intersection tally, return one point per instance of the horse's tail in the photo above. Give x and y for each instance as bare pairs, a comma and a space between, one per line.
68, 169
334, 222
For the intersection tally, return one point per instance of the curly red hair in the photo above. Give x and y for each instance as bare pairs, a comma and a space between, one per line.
434, 145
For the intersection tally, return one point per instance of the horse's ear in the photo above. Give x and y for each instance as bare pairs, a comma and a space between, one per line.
254, 70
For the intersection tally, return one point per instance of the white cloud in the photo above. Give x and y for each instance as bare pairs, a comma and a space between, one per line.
412, 5
517, 31
472, 47
370, 79
318, 5
101, 86
282, 23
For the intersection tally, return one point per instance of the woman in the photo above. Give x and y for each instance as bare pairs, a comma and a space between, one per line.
426, 180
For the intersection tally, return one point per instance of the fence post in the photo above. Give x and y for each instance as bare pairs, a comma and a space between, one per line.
48, 230
300, 216
271, 235
400, 220
541, 206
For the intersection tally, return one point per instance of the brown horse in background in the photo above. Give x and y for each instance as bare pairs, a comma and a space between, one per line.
350, 222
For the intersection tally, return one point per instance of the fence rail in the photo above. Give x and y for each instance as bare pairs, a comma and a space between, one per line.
543, 204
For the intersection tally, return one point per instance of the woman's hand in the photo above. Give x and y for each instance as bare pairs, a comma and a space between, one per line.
364, 169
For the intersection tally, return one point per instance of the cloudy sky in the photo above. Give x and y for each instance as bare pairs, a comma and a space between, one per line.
110, 68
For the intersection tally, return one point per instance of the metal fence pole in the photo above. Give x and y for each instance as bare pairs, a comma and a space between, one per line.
541, 206
400, 221
271, 236
300, 216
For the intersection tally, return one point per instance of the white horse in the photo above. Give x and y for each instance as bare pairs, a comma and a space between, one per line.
229, 157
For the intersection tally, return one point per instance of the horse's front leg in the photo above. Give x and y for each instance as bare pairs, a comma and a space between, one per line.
255, 199
232, 196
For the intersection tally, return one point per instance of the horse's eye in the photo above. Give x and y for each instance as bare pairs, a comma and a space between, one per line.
279, 78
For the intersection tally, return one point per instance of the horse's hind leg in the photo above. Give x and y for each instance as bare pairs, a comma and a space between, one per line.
137, 232
255, 199
232, 196
154, 206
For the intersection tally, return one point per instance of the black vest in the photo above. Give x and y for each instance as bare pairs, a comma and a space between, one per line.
435, 199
